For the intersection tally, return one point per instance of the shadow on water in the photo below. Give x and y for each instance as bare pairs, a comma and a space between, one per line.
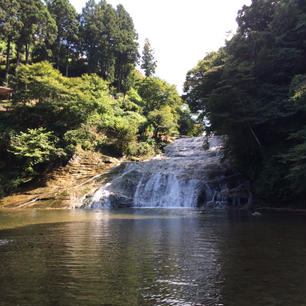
152, 257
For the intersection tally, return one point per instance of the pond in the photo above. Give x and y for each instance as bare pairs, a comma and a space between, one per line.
146, 257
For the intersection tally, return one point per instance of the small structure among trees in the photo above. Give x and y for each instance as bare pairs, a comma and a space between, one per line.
4, 91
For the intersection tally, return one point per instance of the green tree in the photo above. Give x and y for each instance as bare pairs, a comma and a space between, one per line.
148, 62
246, 90
164, 121
161, 105
28, 25
60, 103
107, 57
157, 93
64, 45
91, 33
10, 25
109, 42
202, 79
38, 27
99, 28
126, 46
34, 147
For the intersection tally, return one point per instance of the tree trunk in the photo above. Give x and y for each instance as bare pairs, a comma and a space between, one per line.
119, 74
58, 60
67, 69
102, 70
119, 80
17, 61
7, 68
27, 54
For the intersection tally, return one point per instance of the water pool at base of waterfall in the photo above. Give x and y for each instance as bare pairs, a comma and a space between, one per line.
151, 257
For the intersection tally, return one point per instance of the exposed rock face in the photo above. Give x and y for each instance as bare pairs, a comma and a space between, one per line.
186, 175
64, 186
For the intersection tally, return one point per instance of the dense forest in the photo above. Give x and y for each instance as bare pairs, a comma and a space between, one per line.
253, 91
75, 86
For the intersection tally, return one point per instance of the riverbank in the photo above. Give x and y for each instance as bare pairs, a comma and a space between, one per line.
62, 188
281, 209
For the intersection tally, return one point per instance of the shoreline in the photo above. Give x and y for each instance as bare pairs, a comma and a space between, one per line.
280, 209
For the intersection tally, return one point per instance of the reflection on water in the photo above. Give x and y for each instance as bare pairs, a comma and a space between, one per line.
151, 257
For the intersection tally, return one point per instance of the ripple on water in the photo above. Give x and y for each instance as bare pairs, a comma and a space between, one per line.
5, 241
153, 258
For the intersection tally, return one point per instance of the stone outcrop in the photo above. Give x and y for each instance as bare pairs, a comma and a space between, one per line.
63, 187
186, 175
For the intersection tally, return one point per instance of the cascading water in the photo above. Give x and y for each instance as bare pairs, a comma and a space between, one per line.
186, 176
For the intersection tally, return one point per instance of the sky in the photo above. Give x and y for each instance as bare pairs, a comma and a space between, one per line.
181, 32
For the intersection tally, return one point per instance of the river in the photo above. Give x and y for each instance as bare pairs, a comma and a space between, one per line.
151, 257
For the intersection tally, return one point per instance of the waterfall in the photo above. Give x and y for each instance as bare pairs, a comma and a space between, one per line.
165, 190
185, 176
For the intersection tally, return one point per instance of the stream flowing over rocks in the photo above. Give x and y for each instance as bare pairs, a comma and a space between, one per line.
185, 176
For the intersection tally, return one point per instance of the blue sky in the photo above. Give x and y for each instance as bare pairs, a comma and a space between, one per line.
180, 32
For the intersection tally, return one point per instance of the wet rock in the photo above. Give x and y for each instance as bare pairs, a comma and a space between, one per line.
186, 175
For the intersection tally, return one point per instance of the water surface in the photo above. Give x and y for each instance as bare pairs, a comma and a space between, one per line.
151, 257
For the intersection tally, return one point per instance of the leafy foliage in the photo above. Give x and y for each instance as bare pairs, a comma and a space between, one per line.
34, 147
10, 26
253, 91
101, 40
106, 105
63, 48
51, 115
109, 41
38, 26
